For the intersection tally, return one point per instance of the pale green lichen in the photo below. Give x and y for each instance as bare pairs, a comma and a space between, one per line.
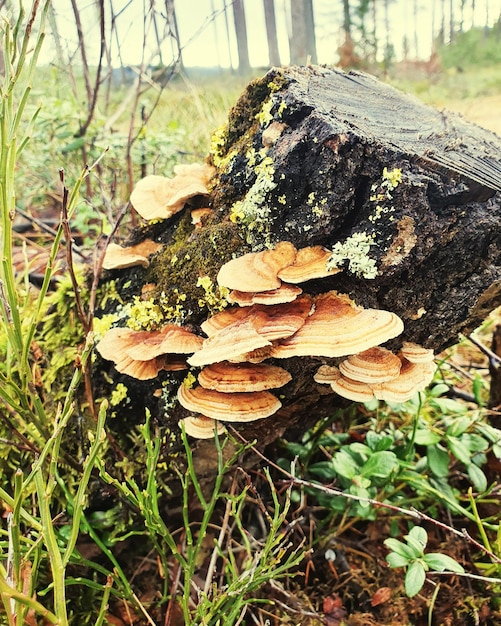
355, 250
252, 211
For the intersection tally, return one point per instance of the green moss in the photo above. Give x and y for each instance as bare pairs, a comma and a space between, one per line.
199, 257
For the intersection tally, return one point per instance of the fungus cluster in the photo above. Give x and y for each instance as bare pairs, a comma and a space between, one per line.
377, 373
271, 319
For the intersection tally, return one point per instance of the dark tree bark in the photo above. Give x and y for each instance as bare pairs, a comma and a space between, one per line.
329, 138
241, 34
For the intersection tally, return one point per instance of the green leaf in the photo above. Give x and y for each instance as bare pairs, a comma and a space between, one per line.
323, 469
396, 560
419, 535
73, 145
477, 477
438, 390
459, 426
425, 437
344, 464
414, 579
459, 450
442, 563
438, 461
446, 405
400, 548
380, 464
378, 441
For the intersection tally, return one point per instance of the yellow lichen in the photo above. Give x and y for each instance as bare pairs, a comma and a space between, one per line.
392, 177
118, 394
215, 298
102, 324
264, 116
144, 315
189, 380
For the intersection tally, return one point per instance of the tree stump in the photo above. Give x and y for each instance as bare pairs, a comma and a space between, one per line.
317, 156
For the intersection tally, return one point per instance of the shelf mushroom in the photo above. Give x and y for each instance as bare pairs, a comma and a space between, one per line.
201, 427
379, 374
257, 271
338, 327
120, 257
228, 407
143, 354
158, 197
310, 263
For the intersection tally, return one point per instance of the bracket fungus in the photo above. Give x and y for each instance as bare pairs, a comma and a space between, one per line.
378, 374
228, 407
310, 263
201, 427
157, 197
257, 271
236, 377
338, 327
120, 257
143, 354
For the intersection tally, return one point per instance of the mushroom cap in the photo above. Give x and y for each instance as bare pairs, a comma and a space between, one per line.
338, 327
416, 353
198, 214
281, 295
170, 339
119, 257
310, 263
201, 427
203, 171
353, 389
157, 197
326, 374
235, 333
224, 318
230, 342
257, 271
375, 365
413, 377
229, 407
235, 377
142, 355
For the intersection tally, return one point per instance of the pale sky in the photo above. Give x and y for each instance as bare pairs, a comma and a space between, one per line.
203, 33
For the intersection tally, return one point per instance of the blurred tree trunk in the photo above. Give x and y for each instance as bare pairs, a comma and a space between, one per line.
302, 41
241, 34
271, 32
170, 10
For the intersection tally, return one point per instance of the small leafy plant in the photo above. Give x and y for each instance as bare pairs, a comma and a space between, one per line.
411, 555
